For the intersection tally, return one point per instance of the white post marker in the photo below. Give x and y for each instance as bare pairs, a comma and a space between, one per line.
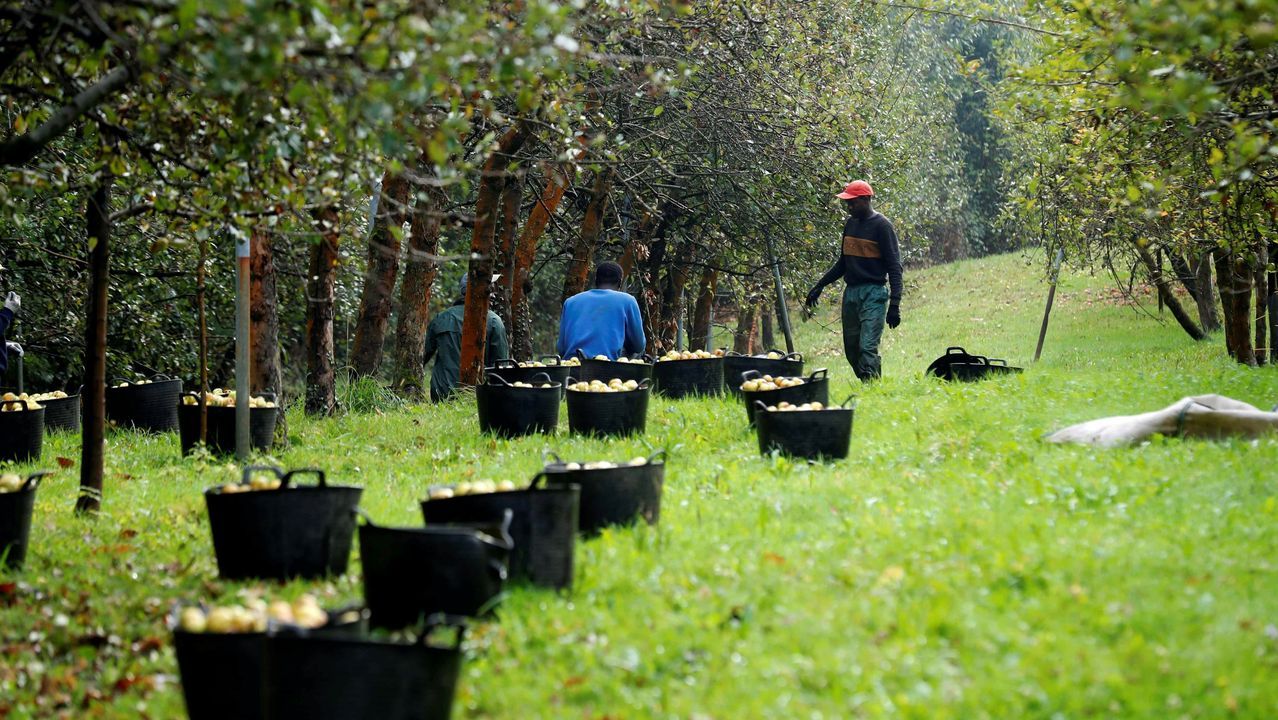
242, 359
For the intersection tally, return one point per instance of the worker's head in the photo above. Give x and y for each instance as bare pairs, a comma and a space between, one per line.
856, 197
608, 276
461, 287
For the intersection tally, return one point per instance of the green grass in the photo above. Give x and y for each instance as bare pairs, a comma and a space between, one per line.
954, 567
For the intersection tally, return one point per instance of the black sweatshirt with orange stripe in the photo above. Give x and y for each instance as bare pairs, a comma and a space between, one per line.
868, 255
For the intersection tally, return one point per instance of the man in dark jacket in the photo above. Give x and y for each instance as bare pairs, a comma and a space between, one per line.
443, 342
12, 304
868, 258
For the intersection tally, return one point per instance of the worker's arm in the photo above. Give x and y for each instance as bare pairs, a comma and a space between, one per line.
432, 345
498, 346
561, 346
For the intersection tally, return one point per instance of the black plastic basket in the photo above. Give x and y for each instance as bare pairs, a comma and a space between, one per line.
682, 378
15, 520
221, 427
980, 368
734, 364
510, 371
62, 414
509, 411
339, 677
812, 434
21, 432
613, 496
411, 573
940, 367
222, 673
816, 388
610, 413
543, 527
293, 532
151, 407
606, 370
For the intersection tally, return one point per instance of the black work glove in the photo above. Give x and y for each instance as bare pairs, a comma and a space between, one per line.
894, 313
813, 295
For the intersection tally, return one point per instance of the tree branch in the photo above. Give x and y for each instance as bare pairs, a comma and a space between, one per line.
23, 148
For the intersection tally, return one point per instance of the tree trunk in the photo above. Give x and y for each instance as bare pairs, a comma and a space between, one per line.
1272, 299
379, 277
201, 319
511, 196
578, 277
674, 299
1208, 318
1184, 273
1263, 353
415, 292
478, 287
1165, 291
264, 328
743, 338
1234, 284
321, 394
651, 295
766, 336
702, 314
524, 253
93, 437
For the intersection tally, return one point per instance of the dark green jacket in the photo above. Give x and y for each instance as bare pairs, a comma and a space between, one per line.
443, 342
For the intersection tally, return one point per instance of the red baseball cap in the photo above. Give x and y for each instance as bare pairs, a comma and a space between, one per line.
856, 188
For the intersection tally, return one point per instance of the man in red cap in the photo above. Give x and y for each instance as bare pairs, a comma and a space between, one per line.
868, 259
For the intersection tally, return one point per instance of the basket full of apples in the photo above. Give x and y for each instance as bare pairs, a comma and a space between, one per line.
601, 367
808, 430
514, 409
612, 493
21, 428
610, 408
680, 373
149, 404
458, 568
269, 526
772, 362
17, 498
407, 675
772, 390
221, 649
61, 411
543, 523
220, 435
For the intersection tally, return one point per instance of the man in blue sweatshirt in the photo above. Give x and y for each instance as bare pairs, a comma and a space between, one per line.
603, 321
868, 258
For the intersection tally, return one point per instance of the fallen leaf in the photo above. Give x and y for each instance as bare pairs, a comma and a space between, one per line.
65, 462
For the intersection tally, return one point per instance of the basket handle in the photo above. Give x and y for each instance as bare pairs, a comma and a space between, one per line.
750, 375
505, 363
547, 358
645, 384
955, 350
360, 514
849, 399
443, 620
250, 469
160, 377
792, 356
550, 454
732, 353
116, 381
538, 479
660, 454
996, 361
542, 375
648, 358
760, 405
25, 405
319, 474
503, 539
497, 380
819, 374
33, 480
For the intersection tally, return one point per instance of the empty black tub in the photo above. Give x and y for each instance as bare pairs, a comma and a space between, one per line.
15, 520
21, 431
981, 368
148, 406
734, 364
221, 426
356, 678
509, 411
811, 434
941, 367
543, 527
412, 573
681, 378
815, 388
621, 495
296, 531
608, 413
606, 370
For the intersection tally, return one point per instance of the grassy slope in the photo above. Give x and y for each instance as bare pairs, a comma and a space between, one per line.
954, 567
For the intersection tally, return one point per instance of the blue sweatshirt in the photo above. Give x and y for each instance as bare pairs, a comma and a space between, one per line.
601, 322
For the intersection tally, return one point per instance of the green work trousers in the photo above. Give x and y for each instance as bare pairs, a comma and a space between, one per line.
864, 311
